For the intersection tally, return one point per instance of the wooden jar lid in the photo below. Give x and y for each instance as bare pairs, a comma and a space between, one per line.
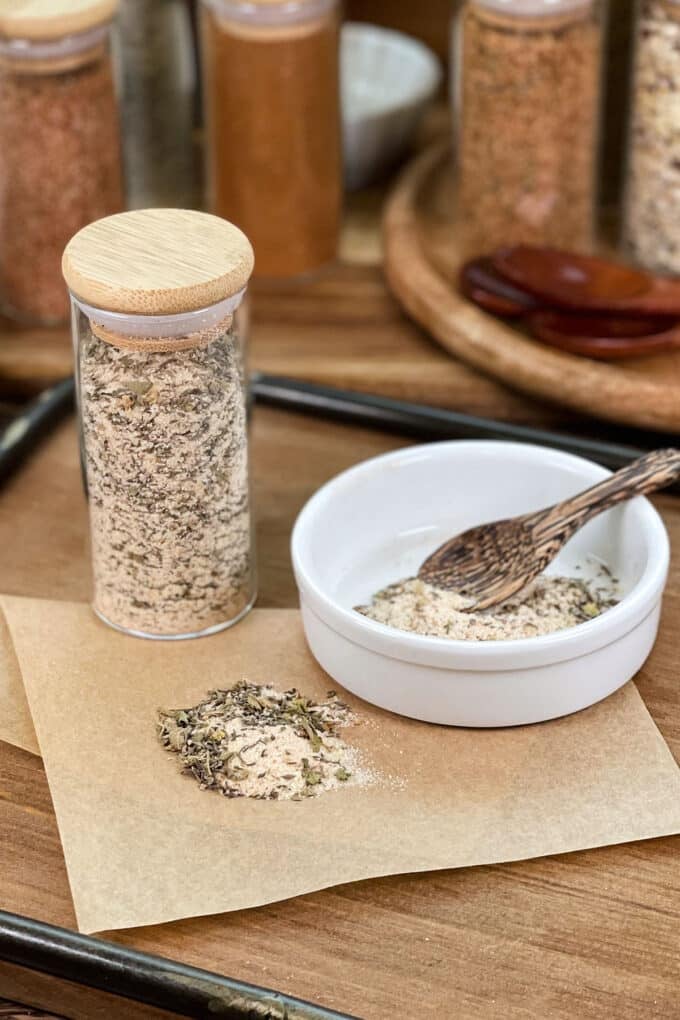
52, 19
157, 261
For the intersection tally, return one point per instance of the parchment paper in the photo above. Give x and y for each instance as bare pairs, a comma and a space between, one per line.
144, 845
16, 725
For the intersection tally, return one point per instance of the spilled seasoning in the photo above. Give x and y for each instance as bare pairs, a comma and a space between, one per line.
549, 604
255, 741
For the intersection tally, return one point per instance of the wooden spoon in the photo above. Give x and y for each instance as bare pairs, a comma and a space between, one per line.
484, 285
605, 337
491, 562
585, 283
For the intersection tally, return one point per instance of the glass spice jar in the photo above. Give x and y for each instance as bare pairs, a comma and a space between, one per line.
158, 88
527, 100
272, 114
652, 202
162, 407
60, 163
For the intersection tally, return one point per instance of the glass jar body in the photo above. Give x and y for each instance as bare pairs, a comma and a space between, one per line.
272, 116
527, 110
60, 164
158, 92
165, 456
652, 202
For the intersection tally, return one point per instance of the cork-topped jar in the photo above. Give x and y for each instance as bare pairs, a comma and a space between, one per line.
272, 112
162, 406
527, 121
652, 213
60, 163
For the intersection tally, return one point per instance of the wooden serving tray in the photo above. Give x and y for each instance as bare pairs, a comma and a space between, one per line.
421, 267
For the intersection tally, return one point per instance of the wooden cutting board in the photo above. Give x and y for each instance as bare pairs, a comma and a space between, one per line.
420, 263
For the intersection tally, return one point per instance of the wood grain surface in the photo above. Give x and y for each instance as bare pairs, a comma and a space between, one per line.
420, 263
585, 935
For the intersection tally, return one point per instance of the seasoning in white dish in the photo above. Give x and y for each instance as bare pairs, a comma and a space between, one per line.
550, 604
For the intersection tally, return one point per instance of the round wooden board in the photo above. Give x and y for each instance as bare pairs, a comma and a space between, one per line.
420, 264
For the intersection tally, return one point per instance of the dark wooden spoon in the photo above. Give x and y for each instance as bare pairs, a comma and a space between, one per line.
492, 562
585, 283
605, 337
483, 284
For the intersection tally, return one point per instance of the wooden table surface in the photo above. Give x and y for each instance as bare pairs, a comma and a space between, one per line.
583, 935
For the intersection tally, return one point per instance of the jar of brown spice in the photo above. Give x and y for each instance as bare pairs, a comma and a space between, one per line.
272, 112
527, 100
60, 163
162, 403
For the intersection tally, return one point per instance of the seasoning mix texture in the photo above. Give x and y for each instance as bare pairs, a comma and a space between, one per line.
60, 167
255, 741
528, 112
551, 603
273, 129
653, 196
165, 451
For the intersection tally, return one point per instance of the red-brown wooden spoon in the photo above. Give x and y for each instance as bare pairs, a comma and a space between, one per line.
605, 337
585, 283
481, 283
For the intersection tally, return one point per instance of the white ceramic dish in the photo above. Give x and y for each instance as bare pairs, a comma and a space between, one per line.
375, 523
387, 79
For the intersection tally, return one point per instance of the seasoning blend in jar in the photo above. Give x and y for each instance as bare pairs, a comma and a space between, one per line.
652, 215
158, 77
60, 162
272, 111
163, 417
527, 111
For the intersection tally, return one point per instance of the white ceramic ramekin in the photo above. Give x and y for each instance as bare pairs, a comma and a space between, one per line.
375, 523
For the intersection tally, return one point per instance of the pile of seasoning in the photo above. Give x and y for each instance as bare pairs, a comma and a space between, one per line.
527, 112
60, 162
272, 113
255, 741
653, 195
162, 400
551, 603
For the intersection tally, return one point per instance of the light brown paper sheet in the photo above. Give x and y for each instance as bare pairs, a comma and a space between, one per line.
144, 845
16, 725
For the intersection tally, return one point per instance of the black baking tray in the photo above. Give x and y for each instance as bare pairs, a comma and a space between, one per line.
144, 978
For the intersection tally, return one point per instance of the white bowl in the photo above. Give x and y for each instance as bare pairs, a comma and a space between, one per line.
387, 80
375, 523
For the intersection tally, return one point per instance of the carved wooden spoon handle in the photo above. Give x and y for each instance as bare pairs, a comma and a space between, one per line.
646, 474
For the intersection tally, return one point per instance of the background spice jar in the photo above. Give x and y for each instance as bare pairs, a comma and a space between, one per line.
652, 219
272, 112
527, 111
158, 88
163, 416
59, 144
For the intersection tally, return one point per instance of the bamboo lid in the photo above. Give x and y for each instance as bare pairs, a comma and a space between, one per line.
157, 261
52, 19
